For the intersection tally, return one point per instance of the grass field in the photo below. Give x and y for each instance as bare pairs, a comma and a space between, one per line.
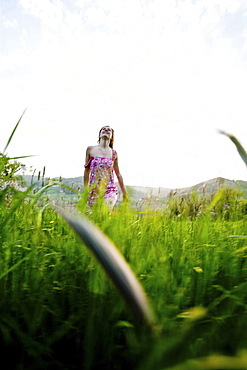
59, 310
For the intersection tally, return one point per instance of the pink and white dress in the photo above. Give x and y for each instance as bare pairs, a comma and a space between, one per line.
101, 178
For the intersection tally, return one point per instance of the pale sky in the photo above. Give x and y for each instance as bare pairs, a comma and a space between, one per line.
165, 74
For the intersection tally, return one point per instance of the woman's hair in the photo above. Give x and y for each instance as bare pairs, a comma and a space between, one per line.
112, 137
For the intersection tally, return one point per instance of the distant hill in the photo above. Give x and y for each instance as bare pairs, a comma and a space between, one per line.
141, 192
73, 182
138, 193
212, 186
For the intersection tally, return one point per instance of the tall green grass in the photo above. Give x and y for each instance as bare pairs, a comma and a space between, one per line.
59, 309
54, 294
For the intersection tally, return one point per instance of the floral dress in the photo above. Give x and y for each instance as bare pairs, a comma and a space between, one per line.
101, 178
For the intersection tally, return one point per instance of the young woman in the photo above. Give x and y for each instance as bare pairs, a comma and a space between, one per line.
100, 162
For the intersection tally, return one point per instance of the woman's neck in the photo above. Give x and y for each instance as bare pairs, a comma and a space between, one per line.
104, 143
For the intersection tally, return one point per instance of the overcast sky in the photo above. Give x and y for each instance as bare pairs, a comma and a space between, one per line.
165, 74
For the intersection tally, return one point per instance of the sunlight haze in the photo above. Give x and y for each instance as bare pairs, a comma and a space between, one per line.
166, 75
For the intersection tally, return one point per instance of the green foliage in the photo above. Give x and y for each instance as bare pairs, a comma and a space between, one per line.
226, 204
9, 170
59, 310
54, 295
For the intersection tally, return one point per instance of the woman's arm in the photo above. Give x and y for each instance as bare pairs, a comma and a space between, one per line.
119, 177
86, 169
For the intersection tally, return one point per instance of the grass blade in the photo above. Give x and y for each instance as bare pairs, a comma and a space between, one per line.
21, 195
15, 266
239, 147
113, 263
214, 362
23, 156
12, 134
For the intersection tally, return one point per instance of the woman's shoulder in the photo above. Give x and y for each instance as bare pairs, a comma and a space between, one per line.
90, 148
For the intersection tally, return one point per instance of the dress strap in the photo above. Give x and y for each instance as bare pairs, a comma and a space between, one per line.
113, 154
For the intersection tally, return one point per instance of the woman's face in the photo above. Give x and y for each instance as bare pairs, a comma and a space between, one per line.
106, 131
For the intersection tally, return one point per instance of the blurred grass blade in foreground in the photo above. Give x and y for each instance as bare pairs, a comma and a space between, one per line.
215, 362
113, 263
239, 147
12, 134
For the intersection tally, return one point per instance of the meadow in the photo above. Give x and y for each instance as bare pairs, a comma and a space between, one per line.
61, 310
